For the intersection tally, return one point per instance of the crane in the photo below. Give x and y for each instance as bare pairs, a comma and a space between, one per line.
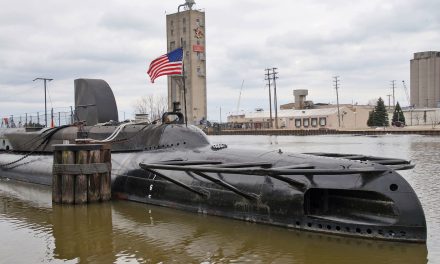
406, 92
239, 97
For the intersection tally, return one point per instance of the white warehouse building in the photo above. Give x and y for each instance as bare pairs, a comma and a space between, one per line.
321, 118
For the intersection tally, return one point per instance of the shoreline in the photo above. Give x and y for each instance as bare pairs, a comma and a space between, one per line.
289, 132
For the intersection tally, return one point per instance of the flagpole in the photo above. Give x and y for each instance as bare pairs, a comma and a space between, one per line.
184, 92
183, 78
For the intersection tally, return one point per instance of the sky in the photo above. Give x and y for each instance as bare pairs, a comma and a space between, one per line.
366, 43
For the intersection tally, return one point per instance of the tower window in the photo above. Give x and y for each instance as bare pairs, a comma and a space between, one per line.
184, 20
172, 45
172, 22
172, 32
184, 29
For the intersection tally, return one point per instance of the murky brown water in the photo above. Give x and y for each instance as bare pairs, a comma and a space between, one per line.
32, 230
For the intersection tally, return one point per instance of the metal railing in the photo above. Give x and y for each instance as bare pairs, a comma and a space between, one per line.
56, 117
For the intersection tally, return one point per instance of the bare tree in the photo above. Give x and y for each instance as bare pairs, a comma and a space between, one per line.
152, 105
434, 121
372, 101
417, 118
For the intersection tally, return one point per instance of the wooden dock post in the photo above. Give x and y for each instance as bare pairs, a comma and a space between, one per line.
56, 178
94, 181
67, 179
81, 173
82, 157
106, 157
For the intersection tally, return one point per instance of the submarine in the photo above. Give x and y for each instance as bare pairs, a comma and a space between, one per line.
169, 163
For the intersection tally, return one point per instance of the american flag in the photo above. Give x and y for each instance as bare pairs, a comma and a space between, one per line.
168, 64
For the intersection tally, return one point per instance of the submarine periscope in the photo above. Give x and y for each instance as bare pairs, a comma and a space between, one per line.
168, 163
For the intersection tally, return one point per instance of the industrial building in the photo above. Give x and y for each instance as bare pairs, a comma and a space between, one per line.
186, 28
324, 118
422, 117
425, 80
303, 114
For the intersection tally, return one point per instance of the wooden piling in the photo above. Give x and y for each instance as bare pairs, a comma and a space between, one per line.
81, 173
94, 182
67, 180
106, 157
56, 179
82, 157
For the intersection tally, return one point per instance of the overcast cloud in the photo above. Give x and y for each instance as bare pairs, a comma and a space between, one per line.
366, 43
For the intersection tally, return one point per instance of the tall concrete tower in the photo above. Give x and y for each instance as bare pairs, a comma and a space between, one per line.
425, 79
186, 28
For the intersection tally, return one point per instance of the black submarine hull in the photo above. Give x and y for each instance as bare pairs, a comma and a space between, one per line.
175, 166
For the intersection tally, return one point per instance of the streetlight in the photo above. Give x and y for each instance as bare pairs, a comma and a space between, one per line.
45, 100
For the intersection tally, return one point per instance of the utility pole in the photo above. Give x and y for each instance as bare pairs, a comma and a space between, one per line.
389, 101
393, 84
45, 100
268, 78
275, 98
336, 82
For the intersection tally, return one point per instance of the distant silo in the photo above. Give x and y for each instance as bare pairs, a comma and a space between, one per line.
425, 79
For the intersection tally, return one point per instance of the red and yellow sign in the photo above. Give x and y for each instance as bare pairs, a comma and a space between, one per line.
198, 48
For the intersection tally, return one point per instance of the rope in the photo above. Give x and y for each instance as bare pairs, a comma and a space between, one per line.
112, 138
109, 140
44, 142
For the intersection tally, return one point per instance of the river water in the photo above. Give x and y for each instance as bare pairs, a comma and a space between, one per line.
32, 230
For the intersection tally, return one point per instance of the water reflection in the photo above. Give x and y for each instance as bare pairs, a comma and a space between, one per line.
83, 232
125, 231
